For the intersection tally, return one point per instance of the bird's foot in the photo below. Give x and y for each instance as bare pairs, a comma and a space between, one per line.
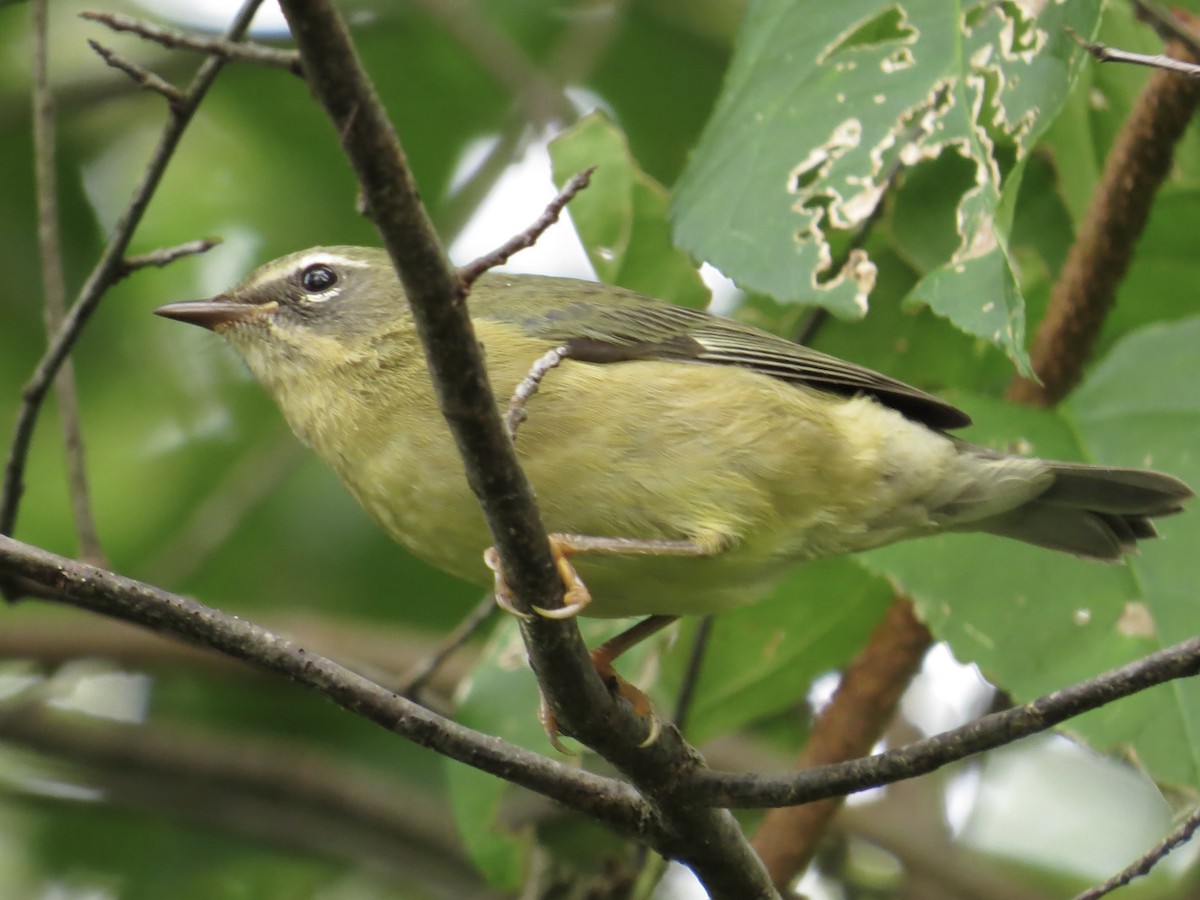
576, 596
618, 687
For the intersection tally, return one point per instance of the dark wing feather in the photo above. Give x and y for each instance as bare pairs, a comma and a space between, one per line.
603, 324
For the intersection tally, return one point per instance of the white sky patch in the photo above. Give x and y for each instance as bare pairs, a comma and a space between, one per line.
519, 196
215, 15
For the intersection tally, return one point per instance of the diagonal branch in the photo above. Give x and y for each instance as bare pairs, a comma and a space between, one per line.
525, 239
91, 588
922, 757
140, 76
707, 840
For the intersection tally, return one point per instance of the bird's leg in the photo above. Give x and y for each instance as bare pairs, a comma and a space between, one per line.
528, 387
576, 596
603, 658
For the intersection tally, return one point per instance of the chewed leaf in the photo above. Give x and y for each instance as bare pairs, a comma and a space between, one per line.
824, 103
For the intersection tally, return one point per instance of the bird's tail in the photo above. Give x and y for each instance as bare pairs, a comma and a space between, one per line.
1091, 511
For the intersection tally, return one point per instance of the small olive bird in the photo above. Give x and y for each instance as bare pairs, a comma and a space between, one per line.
696, 457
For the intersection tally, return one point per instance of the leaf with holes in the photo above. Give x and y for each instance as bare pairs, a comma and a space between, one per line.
825, 103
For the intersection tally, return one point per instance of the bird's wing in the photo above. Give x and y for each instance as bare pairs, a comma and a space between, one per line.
615, 326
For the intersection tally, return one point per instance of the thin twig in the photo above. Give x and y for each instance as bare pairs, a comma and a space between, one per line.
54, 308
142, 77
1148, 860
89, 587
540, 97
418, 676
50, 637
529, 236
691, 674
164, 256
925, 756
1103, 53
228, 49
103, 275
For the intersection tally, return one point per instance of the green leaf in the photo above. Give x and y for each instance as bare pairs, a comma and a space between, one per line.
762, 658
1035, 621
622, 217
823, 102
501, 698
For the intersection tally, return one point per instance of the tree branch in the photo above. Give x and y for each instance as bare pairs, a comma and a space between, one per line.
861, 710
922, 757
709, 841
91, 588
1086, 289
141, 77
527, 238
271, 790
1179, 836
230, 49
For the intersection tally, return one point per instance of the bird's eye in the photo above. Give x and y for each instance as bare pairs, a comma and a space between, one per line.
317, 278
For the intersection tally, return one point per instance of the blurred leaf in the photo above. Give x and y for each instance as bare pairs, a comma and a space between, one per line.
762, 658
499, 698
821, 102
1035, 622
622, 216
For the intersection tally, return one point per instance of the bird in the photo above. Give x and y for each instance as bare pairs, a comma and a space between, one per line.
684, 461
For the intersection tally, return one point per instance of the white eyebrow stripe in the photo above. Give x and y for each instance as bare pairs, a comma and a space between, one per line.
332, 259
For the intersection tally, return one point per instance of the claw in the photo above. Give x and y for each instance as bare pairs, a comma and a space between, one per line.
550, 726
500, 589
576, 596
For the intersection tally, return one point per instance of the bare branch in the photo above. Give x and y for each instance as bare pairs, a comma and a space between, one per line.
229, 50
50, 247
691, 675
1086, 287
922, 757
88, 587
164, 256
381, 653
528, 386
541, 97
1103, 53
1148, 860
106, 271
708, 841
529, 236
142, 77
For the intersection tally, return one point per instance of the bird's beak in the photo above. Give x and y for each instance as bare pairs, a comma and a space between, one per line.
215, 313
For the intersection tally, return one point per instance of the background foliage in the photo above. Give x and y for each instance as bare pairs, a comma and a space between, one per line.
198, 487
